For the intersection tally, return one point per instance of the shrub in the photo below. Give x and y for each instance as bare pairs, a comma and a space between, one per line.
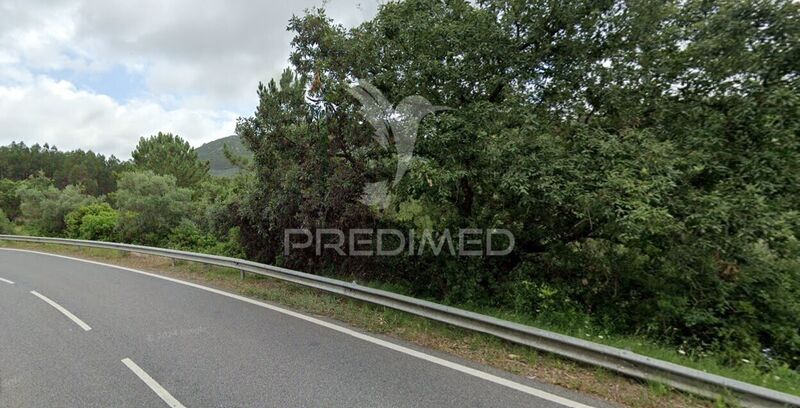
187, 236
43, 207
9, 202
150, 206
6, 227
95, 222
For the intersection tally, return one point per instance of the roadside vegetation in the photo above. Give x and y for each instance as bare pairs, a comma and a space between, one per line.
645, 155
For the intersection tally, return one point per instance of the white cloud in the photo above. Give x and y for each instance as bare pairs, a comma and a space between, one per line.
196, 63
69, 118
220, 47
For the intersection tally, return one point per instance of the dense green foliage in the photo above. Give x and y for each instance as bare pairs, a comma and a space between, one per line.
93, 171
146, 208
644, 154
9, 202
6, 227
150, 205
44, 207
95, 221
168, 154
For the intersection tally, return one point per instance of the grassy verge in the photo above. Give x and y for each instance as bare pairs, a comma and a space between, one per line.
780, 378
477, 347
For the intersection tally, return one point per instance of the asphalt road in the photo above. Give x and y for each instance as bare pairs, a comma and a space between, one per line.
81, 334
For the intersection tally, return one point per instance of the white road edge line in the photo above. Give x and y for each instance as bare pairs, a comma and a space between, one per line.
383, 343
155, 386
65, 312
6, 281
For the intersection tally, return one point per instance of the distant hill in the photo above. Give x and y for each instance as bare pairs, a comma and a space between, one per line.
214, 153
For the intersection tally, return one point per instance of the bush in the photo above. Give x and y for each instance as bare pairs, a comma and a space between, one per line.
188, 237
9, 202
43, 207
150, 207
6, 227
95, 222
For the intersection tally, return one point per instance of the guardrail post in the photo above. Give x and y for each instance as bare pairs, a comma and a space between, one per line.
241, 273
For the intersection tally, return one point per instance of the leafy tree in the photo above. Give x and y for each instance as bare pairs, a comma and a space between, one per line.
188, 236
168, 154
305, 177
43, 206
9, 202
93, 171
643, 153
94, 222
6, 226
150, 206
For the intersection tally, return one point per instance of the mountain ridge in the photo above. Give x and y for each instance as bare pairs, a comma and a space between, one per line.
214, 153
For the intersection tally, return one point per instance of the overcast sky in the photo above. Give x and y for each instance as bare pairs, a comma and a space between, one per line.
98, 74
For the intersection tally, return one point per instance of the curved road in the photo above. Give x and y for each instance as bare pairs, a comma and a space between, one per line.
82, 334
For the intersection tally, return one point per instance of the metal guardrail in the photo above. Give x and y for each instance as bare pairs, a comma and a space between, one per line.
617, 360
